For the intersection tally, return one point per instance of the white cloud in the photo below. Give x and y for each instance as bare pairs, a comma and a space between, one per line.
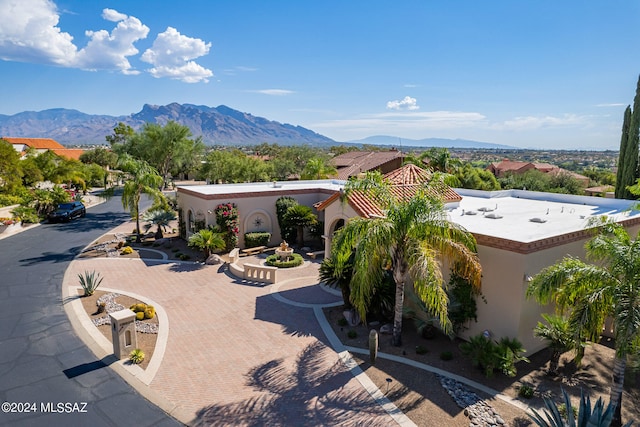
29, 32
109, 51
533, 122
172, 54
611, 105
407, 103
274, 92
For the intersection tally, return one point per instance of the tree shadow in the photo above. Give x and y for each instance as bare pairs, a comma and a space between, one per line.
53, 257
296, 321
312, 394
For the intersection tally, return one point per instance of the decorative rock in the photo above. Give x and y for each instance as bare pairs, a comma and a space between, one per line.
387, 328
477, 410
352, 317
213, 260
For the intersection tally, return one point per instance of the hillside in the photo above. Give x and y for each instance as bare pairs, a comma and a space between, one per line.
220, 125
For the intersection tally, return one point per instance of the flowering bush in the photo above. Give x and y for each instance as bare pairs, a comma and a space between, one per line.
227, 221
9, 221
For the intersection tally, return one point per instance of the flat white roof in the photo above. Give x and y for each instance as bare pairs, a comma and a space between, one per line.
255, 187
528, 216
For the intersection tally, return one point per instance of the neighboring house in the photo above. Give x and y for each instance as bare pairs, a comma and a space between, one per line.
506, 166
42, 145
518, 232
353, 163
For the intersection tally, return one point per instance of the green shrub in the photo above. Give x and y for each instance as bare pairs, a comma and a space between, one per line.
26, 214
490, 355
258, 238
274, 261
184, 257
421, 349
352, 334
90, 282
526, 391
342, 322
136, 356
10, 199
140, 315
446, 355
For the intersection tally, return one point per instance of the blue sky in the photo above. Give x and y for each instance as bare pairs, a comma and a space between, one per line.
535, 74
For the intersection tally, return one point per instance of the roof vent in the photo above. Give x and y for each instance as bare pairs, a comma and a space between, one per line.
486, 209
470, 213
493, 216
539, 220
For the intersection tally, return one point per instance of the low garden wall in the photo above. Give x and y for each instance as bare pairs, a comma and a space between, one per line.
252, 272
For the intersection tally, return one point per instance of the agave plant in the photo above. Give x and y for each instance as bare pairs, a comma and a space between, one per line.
90, 282
598, 416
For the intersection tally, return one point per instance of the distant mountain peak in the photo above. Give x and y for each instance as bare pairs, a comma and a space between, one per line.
216, 125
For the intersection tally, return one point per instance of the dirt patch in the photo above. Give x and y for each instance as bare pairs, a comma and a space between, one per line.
420, 395
146, 342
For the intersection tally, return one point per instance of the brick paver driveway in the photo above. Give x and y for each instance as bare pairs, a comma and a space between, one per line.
236, 355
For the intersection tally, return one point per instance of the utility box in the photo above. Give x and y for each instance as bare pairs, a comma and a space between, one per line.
123, 332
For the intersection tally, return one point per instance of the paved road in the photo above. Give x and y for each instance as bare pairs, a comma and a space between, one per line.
42, 361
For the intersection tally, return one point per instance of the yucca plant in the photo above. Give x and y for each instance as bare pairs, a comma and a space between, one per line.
136, 356
90, 282
598, 416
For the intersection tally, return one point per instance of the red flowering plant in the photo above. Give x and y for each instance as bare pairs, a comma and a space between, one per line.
227, 221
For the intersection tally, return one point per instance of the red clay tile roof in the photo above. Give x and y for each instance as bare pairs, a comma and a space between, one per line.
367, 207
69, 153
408, 174
38, 143
354, 162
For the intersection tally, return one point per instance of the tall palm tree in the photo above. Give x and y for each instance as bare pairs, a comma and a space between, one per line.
592, 292
143, 179
409, 240
208, 241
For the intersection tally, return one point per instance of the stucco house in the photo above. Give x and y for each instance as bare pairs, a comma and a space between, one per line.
356, 162
518, 233
42, 145
506, 166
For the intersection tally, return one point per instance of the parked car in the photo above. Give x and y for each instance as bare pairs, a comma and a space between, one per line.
68, 211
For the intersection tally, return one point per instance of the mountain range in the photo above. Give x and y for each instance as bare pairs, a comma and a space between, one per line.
220, 125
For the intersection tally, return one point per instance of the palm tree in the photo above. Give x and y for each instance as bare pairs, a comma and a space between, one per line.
159, 217
300, 216
144, 179
208, 241
409, 240
317, 168
559, 335
592, 292
336, 272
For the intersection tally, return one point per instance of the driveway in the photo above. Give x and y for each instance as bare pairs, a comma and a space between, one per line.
43, 363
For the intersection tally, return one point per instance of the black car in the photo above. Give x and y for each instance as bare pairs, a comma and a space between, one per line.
68, 211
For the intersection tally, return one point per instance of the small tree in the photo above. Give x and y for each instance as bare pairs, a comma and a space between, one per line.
160, 218
207, 241
282, 206
301, 217
559, 336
